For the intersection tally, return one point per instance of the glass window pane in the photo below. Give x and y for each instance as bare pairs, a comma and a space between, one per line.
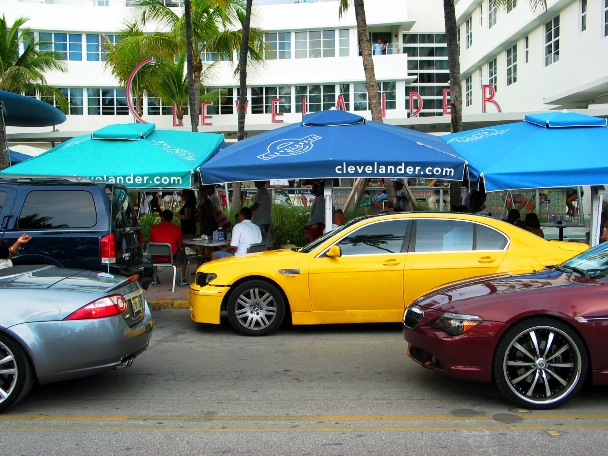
375, 239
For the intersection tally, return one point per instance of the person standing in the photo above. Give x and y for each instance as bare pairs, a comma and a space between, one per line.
379, 47
262, 208
316, 223
187, 213
244, 234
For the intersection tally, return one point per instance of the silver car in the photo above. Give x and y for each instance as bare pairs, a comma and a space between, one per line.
57, 324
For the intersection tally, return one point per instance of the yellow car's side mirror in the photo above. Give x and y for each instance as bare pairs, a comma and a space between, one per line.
334, 252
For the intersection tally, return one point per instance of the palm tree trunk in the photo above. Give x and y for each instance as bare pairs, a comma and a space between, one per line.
451, 32
242, 100
190, 66
372, 96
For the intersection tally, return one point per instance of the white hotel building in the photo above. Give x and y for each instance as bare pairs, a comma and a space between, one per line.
533, 62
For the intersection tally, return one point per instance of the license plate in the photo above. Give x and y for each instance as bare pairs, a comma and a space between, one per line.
137, 304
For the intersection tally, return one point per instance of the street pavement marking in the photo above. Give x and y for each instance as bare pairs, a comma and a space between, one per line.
545, 422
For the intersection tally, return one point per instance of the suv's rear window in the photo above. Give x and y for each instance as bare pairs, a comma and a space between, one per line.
123, 212
58, 209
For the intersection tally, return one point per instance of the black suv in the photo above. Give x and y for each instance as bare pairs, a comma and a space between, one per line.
74, 222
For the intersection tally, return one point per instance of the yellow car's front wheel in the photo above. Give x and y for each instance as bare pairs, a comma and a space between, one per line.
256, 308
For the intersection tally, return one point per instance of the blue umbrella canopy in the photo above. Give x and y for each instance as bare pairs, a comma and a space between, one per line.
17, 157
557, 149
22, 111
335, 144
134, 155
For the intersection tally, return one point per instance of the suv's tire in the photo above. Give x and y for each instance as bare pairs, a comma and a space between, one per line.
551, 354
16, 373
256, 308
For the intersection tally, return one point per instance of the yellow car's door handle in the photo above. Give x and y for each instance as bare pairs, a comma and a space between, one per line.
392, 263
486, 259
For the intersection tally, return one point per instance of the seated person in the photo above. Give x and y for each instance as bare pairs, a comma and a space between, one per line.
571, 196
6, 252
244, 234
168, 232
514, 218
533, 224
337, 218
433, 200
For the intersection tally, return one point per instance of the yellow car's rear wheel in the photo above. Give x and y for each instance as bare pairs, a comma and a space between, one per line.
256, 308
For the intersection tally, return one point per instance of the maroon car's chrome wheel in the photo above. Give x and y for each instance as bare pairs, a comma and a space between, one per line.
540, 363
16, 375
256, 308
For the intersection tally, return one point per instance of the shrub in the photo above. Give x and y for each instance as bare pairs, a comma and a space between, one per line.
289, 223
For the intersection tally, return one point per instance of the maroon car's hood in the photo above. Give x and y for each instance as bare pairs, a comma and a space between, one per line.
495, 286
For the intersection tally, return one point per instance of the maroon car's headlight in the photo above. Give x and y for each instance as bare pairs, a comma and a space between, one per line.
456, 324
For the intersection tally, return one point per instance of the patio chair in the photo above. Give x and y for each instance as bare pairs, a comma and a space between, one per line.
260, 247
162, 249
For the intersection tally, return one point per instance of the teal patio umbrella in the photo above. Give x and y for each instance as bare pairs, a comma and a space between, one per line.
133, 155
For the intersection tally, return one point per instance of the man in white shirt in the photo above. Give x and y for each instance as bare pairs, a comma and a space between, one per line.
262, 208
244, 234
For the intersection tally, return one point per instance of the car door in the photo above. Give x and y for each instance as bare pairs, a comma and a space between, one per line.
7, 200
367, 276
444, 250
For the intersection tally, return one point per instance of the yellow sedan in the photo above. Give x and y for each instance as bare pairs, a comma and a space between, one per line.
366, 271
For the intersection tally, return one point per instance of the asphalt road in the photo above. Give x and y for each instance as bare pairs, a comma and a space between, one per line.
325, 390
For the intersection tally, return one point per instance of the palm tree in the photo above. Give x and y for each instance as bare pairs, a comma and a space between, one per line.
209, 26
242, 103
23, 72
372, 89
132, 48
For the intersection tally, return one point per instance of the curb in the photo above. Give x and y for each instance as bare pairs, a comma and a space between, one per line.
159, 304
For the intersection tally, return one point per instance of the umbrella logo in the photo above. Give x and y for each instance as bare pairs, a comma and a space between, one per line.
478, 135
177, 151
289, 147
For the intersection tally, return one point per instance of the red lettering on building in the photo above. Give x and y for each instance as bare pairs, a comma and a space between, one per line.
175, 121
447, 107
340, 104
204, 113
275, 111
489, 98
420, 103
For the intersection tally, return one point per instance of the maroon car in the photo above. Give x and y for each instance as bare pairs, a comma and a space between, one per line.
537, 336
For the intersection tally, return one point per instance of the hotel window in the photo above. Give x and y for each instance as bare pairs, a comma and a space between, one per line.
469, 32
75, 99
315, 44
512, 65
493, 74
344, 92
223, 101
278, 45
552, 41
344, 42
360, 96
68, 45
510, 5
468, 91
107, 102
157, 108
318, 97
527, 46
583, 15
97, 50
261, 99
389, 90
491, 13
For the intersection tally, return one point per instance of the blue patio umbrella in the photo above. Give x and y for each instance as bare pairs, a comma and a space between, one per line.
22, 111
335, 144
134, 155
556, 149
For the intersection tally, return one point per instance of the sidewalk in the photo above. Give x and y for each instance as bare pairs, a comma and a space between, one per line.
160, 296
